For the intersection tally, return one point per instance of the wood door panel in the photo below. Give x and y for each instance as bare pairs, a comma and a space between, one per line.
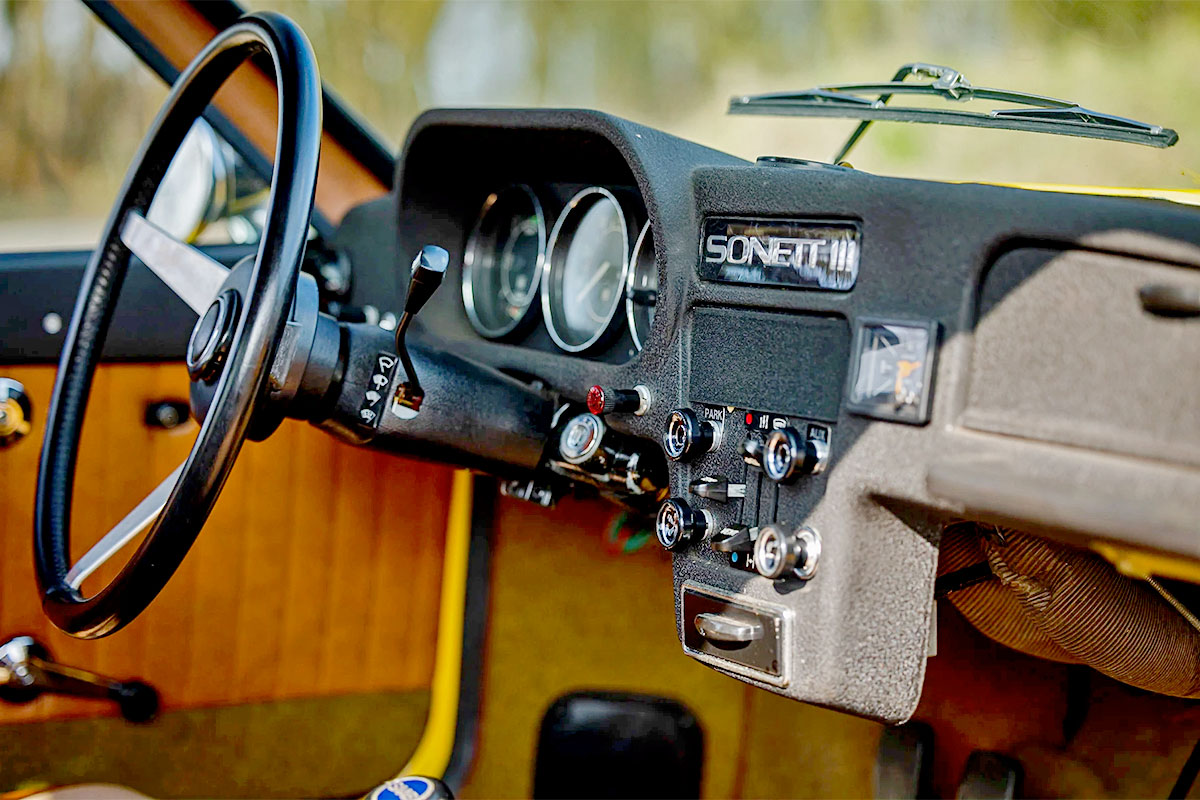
318, 572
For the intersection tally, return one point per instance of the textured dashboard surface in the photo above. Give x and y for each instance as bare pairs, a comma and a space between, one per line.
863, 622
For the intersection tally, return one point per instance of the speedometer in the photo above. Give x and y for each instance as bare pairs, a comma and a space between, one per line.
502, 265
586, 264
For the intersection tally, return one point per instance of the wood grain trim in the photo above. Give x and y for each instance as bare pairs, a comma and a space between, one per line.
249, 100
318, 572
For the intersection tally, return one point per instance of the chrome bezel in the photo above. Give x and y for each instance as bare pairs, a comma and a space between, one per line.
597, 429
676, 445
782, 454
668, 525
569, 212
470, 256
631, 275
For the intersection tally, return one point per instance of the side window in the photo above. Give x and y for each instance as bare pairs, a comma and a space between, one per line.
75, 102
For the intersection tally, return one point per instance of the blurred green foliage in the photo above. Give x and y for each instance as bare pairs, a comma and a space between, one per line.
73, 104
673, 64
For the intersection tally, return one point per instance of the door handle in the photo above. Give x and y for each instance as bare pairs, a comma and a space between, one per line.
721, 628
26, 672
1168, 300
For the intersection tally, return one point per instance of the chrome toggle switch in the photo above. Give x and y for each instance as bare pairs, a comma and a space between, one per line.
734, 540
718, 489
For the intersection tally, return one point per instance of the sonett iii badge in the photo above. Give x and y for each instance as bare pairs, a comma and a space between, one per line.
772, 252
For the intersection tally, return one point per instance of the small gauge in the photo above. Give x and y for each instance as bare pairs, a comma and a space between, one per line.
586, 265
892, 370
641, 292
502, 265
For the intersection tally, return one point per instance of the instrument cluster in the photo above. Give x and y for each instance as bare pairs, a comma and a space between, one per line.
585, 271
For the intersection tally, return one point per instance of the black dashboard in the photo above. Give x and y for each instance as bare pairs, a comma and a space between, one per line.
807, 370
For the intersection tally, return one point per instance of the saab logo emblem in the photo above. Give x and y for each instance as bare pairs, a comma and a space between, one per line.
813, 255
410, 788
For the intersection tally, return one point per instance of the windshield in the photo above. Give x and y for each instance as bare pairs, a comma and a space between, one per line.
675, 65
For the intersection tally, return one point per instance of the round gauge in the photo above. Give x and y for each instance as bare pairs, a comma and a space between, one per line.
586, 264
502, 265
641, 292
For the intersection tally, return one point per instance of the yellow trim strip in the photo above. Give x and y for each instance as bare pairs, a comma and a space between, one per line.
432, 756
1145, 565
1189, 197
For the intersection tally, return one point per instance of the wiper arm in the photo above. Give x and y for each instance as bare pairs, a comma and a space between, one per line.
1040, 114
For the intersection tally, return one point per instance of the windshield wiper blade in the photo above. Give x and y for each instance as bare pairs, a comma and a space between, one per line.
1040, 114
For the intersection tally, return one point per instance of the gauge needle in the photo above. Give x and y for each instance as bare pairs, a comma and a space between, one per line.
903, 370
595, 279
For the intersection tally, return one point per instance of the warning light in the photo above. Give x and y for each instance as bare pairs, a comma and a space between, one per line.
749, 418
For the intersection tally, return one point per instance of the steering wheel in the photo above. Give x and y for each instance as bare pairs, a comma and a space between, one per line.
243, 313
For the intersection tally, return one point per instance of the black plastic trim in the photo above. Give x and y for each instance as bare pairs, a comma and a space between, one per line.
150, 322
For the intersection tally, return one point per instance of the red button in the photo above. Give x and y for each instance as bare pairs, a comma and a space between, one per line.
595, 400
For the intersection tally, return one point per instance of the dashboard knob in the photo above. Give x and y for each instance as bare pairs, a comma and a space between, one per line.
605, 400
678, 523
787, 455
779, 553
687, 436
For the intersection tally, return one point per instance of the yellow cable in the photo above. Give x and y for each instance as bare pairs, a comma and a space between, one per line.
432, 756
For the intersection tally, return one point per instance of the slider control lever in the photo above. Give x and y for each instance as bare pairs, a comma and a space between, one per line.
26, 672
428, 269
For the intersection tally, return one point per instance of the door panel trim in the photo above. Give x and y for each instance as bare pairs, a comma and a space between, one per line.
150, 323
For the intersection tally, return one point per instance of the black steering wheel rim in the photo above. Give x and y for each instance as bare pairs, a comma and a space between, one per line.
246, 369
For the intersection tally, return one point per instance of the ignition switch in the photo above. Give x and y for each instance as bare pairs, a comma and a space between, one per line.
590, 451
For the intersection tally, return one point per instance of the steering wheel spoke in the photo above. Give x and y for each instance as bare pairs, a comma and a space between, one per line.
136, 521
189, 273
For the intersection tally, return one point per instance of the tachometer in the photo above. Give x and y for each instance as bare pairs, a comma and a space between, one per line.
641, 293
586, 265
502, 265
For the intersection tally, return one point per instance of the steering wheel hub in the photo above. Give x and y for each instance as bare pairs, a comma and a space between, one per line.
211, 337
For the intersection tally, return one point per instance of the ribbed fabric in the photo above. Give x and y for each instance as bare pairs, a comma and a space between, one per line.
1064, 604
